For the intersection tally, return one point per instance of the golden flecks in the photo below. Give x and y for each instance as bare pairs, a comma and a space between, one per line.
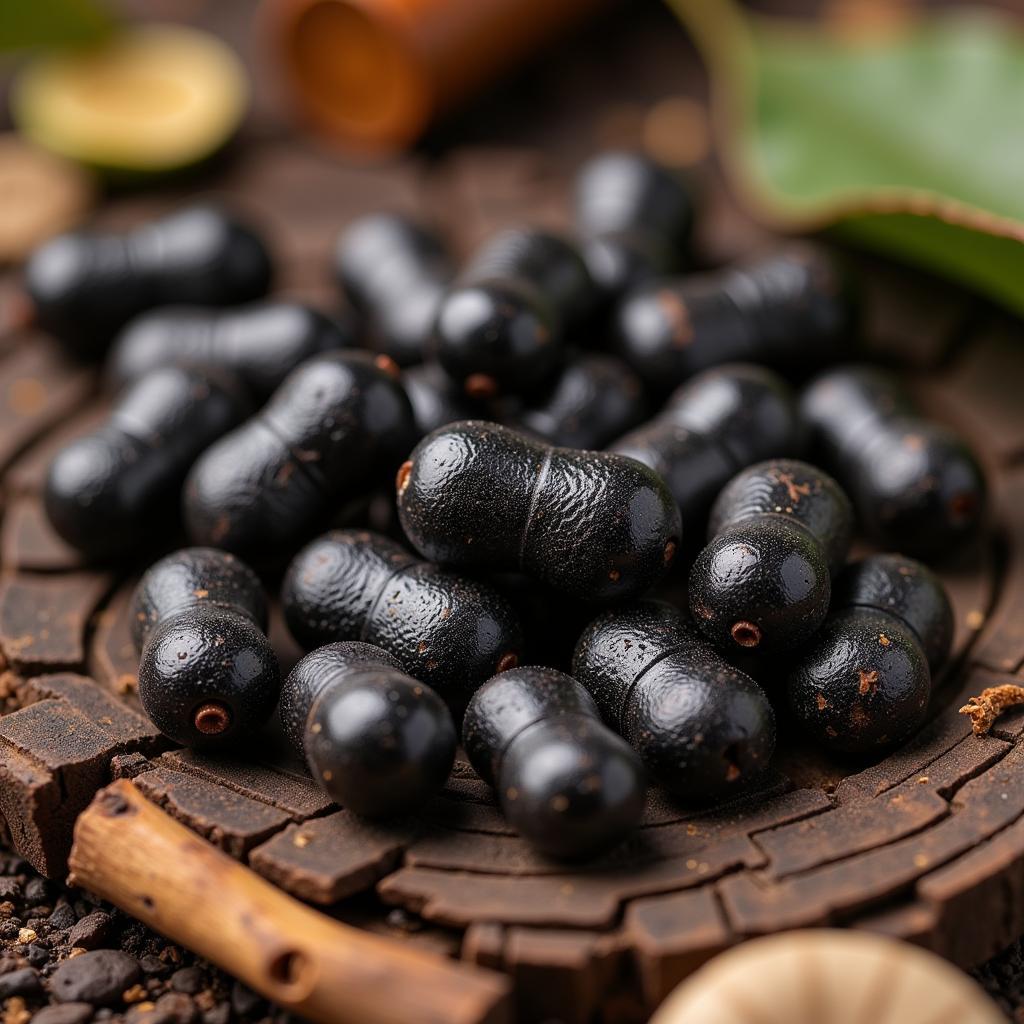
884, 640
793, 489
327, 775
868, 681
614, 575
822, 703
974, 620
301, 839
921, 860
135, 994
201, 594
923, 780
675, 311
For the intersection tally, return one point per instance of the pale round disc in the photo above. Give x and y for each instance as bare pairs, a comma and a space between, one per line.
828, 977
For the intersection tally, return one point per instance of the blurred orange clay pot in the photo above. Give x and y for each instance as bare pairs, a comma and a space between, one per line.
374, 73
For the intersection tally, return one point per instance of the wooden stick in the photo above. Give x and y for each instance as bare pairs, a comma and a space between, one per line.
136, 856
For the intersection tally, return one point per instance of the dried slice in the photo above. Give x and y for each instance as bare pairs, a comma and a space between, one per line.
153, 99
827, 975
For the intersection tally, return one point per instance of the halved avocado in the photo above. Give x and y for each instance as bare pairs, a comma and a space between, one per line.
153, 99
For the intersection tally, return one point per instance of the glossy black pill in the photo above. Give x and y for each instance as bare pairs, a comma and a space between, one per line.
376, 740
106, 491
395, 272
592, 524
502, 326
85, 287
634, 216
717, 423
916, 485
566, 782
702, 727
261, 343
338, 421
207, 674
790, 309
865, 680
447, 631
593, 400
779, 531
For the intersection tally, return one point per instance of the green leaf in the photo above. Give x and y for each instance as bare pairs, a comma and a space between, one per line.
911, 141
28, 24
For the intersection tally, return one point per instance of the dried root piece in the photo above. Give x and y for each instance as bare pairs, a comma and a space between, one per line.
990, 704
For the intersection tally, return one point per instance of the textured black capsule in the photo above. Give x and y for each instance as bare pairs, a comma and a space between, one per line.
448, 631
86, 286
207, 673
377, 741
394, 271
634, 217
719, 422
592, 401
702, 727
501, 328
436, 399
779, 531
916, 485
107, 491
567, 783
865, 680
337, 422
790, 309
592, 524
260, 343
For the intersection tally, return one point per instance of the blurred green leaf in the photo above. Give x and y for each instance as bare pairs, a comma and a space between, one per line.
28, 24
911, 140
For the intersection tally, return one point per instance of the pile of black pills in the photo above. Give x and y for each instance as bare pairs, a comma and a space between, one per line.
570, 450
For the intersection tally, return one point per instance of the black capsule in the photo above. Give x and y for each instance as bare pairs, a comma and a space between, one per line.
635, 218
108, 491
395, 272
260, 344
435, 398
716, 424
566, 782
865, 681
702, 727
85, 287
501, 328
377, 741
779, 531
447, 631
593, 400
916, 485
207, 674
336, 422
592, 524
790, 309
